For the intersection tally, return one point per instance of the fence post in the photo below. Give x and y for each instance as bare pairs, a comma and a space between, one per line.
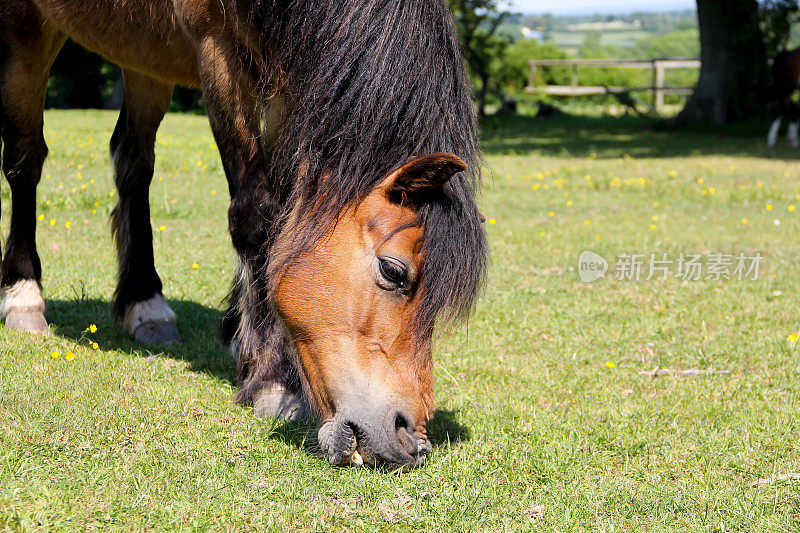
532, 78
658, 84
575, 75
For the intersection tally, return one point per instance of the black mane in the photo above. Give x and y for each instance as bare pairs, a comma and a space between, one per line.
367, 85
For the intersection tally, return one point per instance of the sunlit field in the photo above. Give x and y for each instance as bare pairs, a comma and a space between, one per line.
616, 405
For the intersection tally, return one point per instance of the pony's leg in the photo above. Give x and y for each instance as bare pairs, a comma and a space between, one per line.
792, 135
138, 300
32, 44
772, 137
259, 343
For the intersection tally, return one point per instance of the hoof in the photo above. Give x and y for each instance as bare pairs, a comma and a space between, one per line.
157, 333
31, 321
152, 322
277, 402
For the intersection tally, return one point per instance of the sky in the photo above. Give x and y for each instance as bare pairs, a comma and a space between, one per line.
584, 7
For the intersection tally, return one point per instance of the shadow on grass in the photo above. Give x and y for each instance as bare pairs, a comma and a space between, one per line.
612, 137
198, 324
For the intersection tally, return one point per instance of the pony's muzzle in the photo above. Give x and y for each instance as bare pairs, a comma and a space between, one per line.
379, 441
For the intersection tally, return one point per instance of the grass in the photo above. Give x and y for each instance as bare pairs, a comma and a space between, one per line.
544, 420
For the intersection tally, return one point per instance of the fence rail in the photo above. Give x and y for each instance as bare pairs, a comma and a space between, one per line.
658, 66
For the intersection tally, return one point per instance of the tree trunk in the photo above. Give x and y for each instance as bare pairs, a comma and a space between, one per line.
734, 73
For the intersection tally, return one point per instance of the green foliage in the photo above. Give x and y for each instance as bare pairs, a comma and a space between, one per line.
513, 70
621, 77
777, 19
682, 43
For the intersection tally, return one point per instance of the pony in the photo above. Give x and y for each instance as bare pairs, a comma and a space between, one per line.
785, 79
348, 137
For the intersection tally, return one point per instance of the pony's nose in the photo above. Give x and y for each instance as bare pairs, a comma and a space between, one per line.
384, 438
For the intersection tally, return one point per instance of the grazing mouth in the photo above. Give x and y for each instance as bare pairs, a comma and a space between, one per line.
345, 444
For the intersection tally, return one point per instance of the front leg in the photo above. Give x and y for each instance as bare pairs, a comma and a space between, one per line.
28, 46
259, 342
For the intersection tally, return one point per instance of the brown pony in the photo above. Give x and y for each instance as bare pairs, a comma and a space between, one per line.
345, 130
785, 81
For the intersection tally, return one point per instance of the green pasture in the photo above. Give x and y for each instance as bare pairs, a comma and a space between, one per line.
545, 420
572, 40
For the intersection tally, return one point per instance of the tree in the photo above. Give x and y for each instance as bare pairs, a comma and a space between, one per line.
512, 70
733, 77
477, 22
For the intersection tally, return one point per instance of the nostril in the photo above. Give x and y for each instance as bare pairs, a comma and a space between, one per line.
402, 421
404, 429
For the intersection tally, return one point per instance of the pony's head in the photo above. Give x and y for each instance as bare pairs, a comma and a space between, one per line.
357, 303
374, 246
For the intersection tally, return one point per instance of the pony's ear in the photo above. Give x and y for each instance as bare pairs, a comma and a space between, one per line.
417, 180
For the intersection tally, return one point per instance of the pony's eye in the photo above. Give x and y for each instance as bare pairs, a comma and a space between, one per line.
394, 272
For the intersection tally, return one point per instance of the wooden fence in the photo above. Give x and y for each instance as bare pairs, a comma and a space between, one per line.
658, 88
